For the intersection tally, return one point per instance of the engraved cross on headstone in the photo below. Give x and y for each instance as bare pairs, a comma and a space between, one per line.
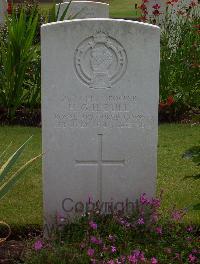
100, 162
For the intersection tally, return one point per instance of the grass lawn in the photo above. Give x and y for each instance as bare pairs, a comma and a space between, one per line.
177, 177
123, 9
118, 8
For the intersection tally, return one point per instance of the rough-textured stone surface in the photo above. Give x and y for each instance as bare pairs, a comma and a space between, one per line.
84, 9
100, 81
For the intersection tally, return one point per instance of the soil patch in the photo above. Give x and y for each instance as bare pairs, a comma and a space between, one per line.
11, 251
23, 117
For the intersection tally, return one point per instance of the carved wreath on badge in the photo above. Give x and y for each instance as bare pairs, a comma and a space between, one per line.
100, 61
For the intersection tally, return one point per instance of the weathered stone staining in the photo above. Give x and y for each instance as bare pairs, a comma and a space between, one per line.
84, 9
100, 82
3, 11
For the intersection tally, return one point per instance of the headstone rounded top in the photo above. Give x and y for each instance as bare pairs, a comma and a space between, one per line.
83, 9
89, 2
97, 20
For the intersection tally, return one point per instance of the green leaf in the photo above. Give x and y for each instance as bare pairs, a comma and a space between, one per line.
75, 15
56, 18
16, 58
11, 161
6, 187
4, 152
65, 11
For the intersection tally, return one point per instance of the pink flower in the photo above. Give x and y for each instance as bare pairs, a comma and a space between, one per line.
169, 3
192, 258
82, 245
144, 199
156, 6
111, 262
90, 252
136, 256
159, 230
95, 240
132, 259
60, 218
155, 202
136, 253
154, 261
111, 238
189, 229
38, 245
93, 225
113, 249
177, 215
156, 12
140, 221
193, 4
143, 7
142, 258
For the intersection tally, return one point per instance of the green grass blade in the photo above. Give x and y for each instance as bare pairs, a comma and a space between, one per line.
75, 15
65, 11
58, 11
4, 152
11, 161
5, 188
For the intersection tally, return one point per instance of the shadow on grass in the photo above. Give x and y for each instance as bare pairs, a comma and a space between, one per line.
194, 177
196, 207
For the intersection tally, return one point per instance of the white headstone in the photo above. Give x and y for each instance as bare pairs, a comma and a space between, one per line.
3, 10
100, 91
84, 9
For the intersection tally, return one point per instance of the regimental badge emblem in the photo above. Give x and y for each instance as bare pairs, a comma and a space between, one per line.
100, 61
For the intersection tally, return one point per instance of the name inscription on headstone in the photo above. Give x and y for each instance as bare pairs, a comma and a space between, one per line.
101, 111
